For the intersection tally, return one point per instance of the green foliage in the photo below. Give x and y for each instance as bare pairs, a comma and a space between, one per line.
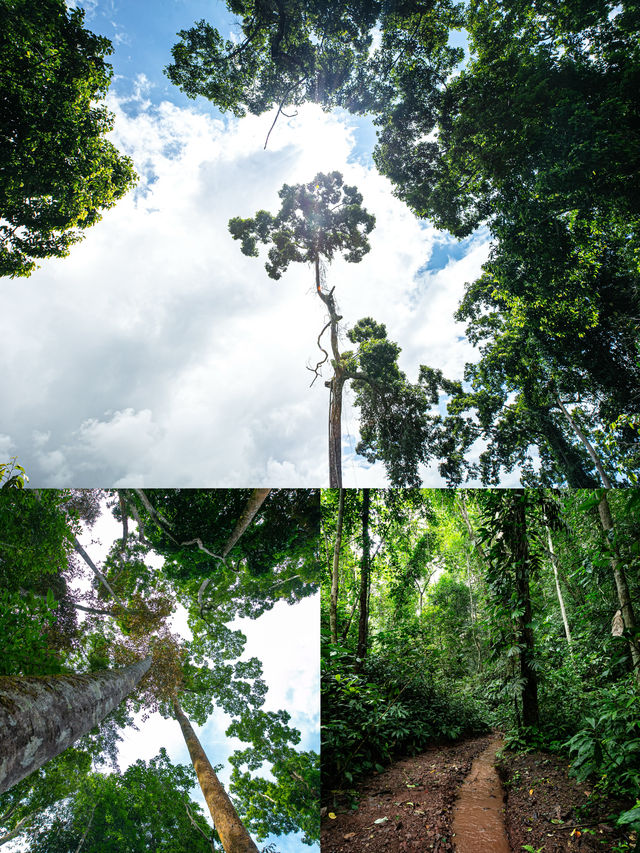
382, 707
58, 169
147, 807
396, 426
23, 623
608, 744
12, 475
316, 220
289, 800
316, 50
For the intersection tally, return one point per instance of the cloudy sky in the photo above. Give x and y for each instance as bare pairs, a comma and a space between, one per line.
157, 353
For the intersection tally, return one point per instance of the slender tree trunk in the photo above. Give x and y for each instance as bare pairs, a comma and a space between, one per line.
517, 533
554, 563
567, 456
125, 519
40, 716
335, 385
159, 519
333, 606
234, 836
256, 499
586, 443
86, 832
363, 624
622, 588
345, 630
78, 547
336, 388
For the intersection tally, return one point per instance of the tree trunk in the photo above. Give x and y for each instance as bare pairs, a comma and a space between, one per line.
335, 385
256, 499
622, 588
40, 716
78, 547
586, 443
333, 606
517, 533
86, 831
567, 456
363, 624
554, 563
125, 519
234, 837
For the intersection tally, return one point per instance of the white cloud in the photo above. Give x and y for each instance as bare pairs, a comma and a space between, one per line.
157, 352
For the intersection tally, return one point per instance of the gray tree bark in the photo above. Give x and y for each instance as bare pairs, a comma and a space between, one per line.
40, 716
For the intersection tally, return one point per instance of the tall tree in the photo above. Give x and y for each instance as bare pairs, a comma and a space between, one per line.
315, 221
627, 614
58, 169
42, 716
363, 622
233, 835
511, 566
335, 571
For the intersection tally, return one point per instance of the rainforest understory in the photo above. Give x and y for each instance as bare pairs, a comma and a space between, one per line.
463, 629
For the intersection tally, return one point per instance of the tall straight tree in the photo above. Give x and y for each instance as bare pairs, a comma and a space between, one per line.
335, 571
233, 835
363, 623
315, 221
42, 716
622, 587
510, 566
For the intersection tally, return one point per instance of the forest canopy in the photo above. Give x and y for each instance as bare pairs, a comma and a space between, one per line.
146, 633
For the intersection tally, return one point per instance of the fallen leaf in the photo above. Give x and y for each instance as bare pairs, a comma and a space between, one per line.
349, 835
381, 820
332, 816
530, 791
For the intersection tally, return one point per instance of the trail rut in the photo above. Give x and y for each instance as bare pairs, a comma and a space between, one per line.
478, 817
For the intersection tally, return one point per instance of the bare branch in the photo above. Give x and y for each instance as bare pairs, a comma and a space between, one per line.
78, 547
316, 369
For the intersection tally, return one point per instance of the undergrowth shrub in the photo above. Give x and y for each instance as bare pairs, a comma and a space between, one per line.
607, 747
384, 708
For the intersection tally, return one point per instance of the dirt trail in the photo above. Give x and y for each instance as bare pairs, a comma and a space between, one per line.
406, 808
478, 817
415, 805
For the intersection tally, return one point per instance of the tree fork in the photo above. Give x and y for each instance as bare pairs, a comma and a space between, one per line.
41, 716
233, 835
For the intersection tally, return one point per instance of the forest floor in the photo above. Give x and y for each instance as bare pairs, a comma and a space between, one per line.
410, 806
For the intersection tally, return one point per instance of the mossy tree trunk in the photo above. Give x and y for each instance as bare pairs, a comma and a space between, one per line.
40, 716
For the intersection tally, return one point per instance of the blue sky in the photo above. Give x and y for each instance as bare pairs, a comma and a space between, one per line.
157, 353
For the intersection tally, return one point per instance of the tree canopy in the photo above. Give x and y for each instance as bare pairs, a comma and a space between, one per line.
58, 170
121, 616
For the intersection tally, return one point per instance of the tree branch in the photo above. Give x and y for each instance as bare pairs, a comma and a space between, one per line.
78, 547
